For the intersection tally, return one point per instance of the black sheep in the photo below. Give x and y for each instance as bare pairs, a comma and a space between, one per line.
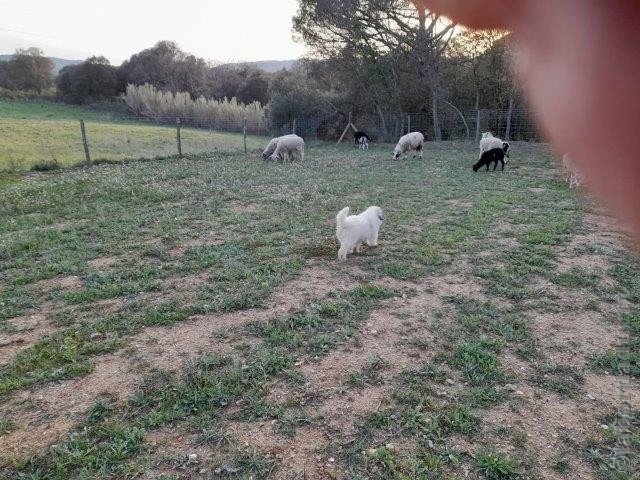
494, 155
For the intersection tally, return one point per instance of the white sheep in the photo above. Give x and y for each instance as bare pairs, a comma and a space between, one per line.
574, 175
287, 146
489, 142
271, 146
411, 142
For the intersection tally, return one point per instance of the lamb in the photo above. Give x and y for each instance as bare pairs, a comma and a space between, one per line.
287, 146
271, 146
362, 140
488, 141
494, 155
574, 176
413, 141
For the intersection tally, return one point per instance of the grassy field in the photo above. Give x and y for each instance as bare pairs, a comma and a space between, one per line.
188, 318
31, 133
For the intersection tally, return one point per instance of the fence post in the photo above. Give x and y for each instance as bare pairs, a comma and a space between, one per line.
294, 126
87, 157
408, 123
244, 134
178, 137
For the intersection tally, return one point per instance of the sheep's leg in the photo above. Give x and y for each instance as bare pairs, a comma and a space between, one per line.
302, 154
502, 165
358, 247
342, 253
488, 166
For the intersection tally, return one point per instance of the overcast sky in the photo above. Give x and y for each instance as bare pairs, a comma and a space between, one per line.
235, 30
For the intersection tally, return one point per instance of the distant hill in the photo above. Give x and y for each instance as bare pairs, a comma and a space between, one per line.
58, 63
269, 66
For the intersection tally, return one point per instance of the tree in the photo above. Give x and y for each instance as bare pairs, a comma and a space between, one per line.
94, 79
472, 50
166, 67
385, 35
30, 70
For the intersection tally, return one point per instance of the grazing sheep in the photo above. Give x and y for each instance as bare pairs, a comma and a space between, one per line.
574, 176
271, 146
362, 140
411, 142
488, 141
494, 155
287, 146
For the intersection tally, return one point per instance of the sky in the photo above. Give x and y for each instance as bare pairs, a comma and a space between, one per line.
218, 30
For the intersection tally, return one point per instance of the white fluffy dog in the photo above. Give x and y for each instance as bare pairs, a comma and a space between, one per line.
352, 230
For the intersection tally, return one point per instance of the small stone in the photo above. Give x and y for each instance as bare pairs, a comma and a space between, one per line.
604, 427
519, 392
298, 363
590, 397
404, 295
374, 332
510, 387
450, 381
391, 447
203, 471
430, 443
331, 460
193, 457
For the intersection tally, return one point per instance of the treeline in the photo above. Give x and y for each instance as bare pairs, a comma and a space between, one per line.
375, 58
164, 66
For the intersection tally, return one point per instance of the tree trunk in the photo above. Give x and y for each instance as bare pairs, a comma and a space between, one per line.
437, 133
507, 133
477, 117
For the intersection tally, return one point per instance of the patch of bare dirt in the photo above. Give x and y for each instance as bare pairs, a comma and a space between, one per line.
102, 262
209, 238
167, 347
49, 412
547, 421
240, 207
69, 282
613, 392
571, 337
109, 305
22, 332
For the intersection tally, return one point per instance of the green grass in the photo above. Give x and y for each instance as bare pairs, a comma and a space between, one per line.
39, 136
221, 233
613, 450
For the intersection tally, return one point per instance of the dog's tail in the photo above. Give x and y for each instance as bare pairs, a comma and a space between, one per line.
342, 215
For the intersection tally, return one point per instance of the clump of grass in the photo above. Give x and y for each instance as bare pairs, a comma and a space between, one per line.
624, 360
496, 466
45, 166
562, 379
613, 450
561, 463
6, 425
478, 361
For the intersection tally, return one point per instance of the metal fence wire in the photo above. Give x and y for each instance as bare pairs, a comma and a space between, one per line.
119, 138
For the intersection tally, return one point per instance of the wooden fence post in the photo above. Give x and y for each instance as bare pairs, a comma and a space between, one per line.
244, 134
87, 157
294, 126
178, 137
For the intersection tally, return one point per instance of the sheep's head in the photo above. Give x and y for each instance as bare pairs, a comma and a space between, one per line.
476, 167
397, 152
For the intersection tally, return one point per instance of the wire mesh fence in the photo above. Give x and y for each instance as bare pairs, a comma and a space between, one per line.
28, 142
